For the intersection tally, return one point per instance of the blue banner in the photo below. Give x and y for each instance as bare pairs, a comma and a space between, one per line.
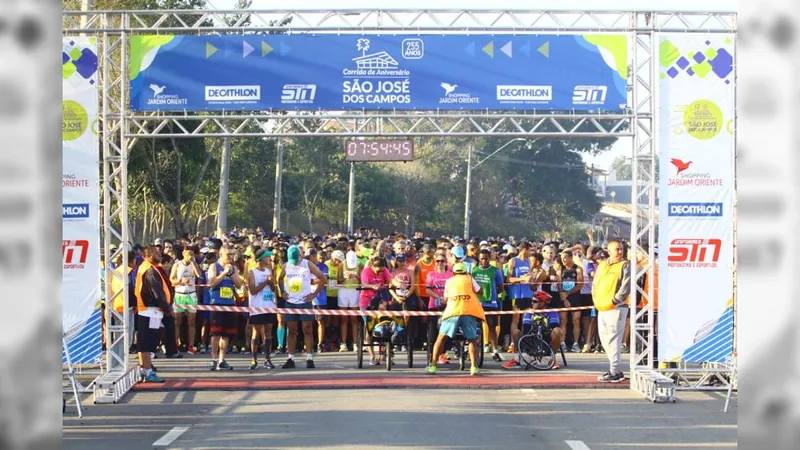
355, 72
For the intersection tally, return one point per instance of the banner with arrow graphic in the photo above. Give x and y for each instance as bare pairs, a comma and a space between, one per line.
355, 72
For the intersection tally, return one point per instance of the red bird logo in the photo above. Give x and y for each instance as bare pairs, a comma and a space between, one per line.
680, 165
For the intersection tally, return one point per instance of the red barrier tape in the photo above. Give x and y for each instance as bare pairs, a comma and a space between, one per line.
345, 312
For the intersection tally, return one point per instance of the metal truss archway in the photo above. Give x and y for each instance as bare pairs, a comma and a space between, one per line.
121, 128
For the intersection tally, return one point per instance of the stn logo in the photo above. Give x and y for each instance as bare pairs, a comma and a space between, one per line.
74, 253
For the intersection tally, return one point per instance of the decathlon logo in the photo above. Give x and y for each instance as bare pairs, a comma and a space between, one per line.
298, 93
75, 211
233, 93
695, 209
589, 95
524, 94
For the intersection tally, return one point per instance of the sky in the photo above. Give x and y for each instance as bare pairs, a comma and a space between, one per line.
623, 145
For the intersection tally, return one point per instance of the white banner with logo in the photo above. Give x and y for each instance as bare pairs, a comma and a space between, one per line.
81, 181
696, 197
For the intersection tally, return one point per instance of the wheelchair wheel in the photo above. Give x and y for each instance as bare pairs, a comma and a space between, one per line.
463, 347
535, 352
389, 351
410, 353
359, 344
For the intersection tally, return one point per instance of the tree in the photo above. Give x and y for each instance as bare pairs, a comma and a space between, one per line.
622, 166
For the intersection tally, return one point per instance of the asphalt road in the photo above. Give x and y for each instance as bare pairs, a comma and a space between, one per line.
403, 418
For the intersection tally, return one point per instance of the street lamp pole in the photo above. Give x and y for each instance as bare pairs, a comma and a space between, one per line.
276, 212
351, 195
466, 201
470, 167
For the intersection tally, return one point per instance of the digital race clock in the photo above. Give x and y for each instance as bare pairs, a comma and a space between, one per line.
378, 150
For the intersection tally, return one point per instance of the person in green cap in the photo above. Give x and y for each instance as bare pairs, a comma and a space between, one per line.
295, 280
463, 311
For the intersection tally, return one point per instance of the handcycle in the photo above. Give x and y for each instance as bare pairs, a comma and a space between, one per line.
385, 343
534, 350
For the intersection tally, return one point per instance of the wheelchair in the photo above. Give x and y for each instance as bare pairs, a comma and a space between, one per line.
459, 342
462, 346
534, 350
384, 343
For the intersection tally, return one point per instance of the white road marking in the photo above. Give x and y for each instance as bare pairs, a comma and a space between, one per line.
529, 391
577, 445
170, 437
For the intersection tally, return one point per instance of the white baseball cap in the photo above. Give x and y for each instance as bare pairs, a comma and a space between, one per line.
338, 254
351, 260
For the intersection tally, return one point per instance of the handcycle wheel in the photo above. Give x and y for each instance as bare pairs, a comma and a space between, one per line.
410, 353
536, 352
359, 344
389, 350
462, 360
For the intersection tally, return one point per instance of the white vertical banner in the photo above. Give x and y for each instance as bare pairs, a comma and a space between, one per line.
697, 188
80, 182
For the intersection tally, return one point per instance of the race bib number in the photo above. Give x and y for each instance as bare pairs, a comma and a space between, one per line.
295, 286
568, 285
268, 295
331, 283
225, 292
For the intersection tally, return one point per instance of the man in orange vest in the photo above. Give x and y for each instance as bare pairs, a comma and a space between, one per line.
153, 301
610, 294
463, 311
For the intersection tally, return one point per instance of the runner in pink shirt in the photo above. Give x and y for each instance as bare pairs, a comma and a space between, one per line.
434, 283
375, 276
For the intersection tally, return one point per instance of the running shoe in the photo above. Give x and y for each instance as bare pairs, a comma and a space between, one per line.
153, 378
609, 378
511, 364
496, 357
563, 346
474, 371
192, 350
223, 365
213, 366
555, 366
320, 348
374, 361
253, 365
268, 364
443, 359
430, 370
625, 349
587, 349
342, 348
576, 348
512, 349
309, 364
289, 364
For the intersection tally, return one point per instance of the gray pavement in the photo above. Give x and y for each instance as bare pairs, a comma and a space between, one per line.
403, 418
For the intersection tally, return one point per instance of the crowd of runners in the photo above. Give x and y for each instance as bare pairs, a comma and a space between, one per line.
463, 279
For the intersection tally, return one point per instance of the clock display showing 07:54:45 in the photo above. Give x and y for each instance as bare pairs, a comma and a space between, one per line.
377, 150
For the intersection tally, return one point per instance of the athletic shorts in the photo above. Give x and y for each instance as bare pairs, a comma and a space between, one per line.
491, 319
467, 324
575, 301
146, 338
587, 301
348, 298
523, 303
263, 319
556, 301
333, 302
299, 317
184, 300
320, 316
223, 323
